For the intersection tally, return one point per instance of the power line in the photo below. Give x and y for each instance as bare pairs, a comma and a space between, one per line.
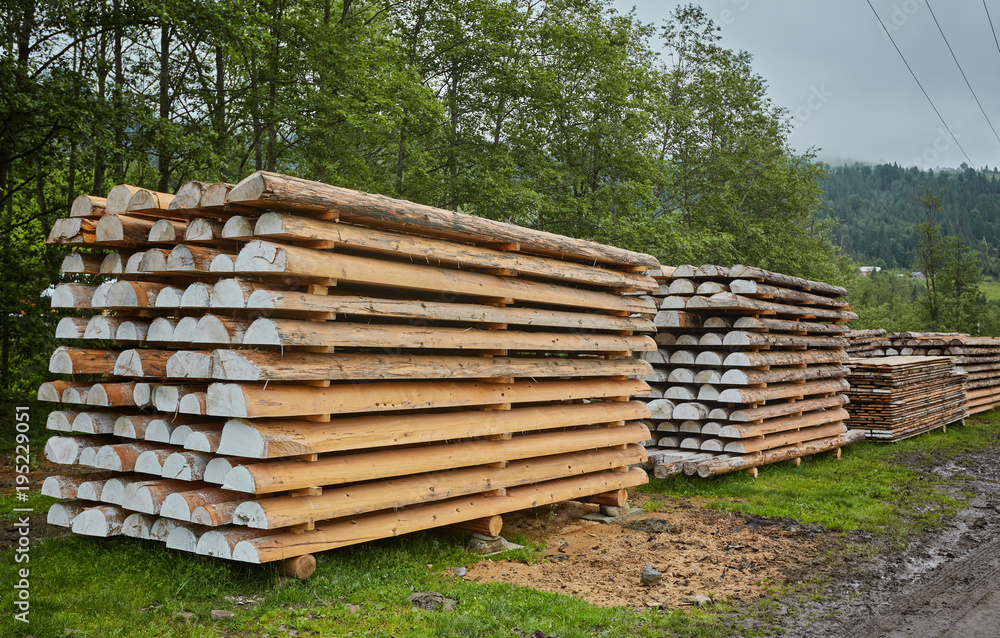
929, 100
964, 77
991, 25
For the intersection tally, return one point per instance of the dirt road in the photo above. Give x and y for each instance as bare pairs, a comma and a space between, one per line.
945, 584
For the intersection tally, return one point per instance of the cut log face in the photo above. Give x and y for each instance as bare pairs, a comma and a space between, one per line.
88, 206
100, 520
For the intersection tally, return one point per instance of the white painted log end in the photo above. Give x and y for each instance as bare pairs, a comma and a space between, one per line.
153, 259
185, 364
210, 330
240, 479
64, 450
161, 528
122, 295
149, 462
231, 365
169, 297
54, 487
62, 514
88, 456
181, 258
166, 398
71, 328
163, 231
184, 539
197, 295
91, 490
250, 189
237, 227
240, 438
194, 403
142, 395
139, 498
108, 459
263, 299
137, 525
161, 330
174, 506
129, 364
217, 470
134, 262
109, 227
60, 421
228, 294
262, 332
251, 514
222, 263
112, 264
226, 399
114, 490
99, 327
94, 423
246, 552
258, 256
101, 521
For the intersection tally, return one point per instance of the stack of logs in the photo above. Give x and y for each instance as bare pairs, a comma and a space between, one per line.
979, 357
275, 368
750, 369
893, 398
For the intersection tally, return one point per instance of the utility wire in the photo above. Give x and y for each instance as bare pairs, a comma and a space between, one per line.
929, 100
964, 77
991, 25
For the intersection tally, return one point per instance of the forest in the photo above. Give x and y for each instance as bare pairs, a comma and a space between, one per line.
876, 211
562, 115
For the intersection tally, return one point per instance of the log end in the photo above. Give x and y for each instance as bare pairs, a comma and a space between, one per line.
301, 567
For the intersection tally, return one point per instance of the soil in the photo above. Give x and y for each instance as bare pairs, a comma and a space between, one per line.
699, 552
942, 584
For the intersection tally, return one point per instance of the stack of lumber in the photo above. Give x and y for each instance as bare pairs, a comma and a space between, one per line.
866, 343
897, 397
280, 367
751, 370
979, 357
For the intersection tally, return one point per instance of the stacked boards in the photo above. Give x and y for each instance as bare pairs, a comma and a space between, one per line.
275, 368
978, 357
866, 343
750, 367
893, 398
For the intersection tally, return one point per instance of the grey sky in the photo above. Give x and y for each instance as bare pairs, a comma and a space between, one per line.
831, 65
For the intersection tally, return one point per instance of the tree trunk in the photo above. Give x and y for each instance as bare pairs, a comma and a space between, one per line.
163, 152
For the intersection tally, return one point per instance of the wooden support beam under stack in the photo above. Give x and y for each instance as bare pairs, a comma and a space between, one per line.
275, 367
749, 371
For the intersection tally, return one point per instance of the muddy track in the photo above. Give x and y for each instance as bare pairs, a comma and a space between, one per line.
946, 583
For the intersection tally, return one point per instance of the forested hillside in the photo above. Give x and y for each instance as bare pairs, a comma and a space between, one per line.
876, 209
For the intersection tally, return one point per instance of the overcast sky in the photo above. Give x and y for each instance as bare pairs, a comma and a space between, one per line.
833, 67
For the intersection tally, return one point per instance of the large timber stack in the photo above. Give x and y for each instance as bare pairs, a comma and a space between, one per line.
894, 398
750, 367
978, 357
267, 370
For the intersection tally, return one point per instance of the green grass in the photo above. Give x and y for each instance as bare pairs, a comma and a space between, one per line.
991, 289
880, 488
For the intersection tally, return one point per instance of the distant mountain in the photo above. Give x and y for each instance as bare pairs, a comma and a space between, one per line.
876, 211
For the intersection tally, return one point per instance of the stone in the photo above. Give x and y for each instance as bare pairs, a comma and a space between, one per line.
482, 544
183, 615
698, 600
460, 571
431, 601
649, 576
615, 512
220, 614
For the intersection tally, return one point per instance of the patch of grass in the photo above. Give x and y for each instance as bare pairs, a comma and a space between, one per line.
133, 589
880, 488
36, 502
991, 289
